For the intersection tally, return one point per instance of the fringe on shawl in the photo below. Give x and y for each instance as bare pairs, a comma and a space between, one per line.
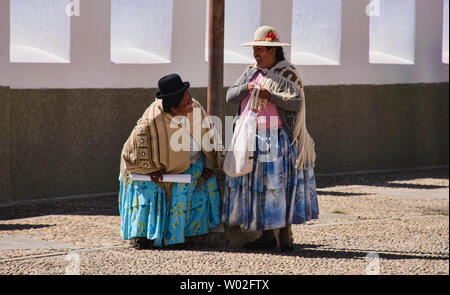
130, 147
280, 81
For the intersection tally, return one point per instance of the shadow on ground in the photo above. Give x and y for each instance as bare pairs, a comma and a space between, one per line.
10, 227
385, 179
307, 252
340, 194
316, 251
102, 205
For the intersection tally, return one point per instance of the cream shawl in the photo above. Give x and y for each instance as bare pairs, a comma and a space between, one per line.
148, 148
283, 80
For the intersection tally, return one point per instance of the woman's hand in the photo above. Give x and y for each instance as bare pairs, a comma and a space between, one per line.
207, 173
156, 176
251, 85
264, 94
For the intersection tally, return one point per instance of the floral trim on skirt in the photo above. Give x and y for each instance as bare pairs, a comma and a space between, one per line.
190, 213
275, 194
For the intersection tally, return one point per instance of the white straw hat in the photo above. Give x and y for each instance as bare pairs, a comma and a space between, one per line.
265, 36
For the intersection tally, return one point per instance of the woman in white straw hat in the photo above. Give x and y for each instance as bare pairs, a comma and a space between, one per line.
281, 189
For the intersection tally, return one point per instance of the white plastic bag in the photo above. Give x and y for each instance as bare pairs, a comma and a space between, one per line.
239, 158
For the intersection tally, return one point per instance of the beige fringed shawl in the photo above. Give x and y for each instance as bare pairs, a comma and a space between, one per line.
283, 80
148, 148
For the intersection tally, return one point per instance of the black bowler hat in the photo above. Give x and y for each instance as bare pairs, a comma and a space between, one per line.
171, 91
171, 86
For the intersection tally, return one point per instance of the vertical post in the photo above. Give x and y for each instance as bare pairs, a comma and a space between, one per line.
6, 99
215, 57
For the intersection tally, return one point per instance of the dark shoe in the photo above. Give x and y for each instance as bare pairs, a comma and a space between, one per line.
261, 245
141, 243
286, 248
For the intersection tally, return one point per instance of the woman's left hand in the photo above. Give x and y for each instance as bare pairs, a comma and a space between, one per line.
264, 94
207, 173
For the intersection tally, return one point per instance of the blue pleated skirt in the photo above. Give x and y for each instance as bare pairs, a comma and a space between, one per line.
143, 211
275, 194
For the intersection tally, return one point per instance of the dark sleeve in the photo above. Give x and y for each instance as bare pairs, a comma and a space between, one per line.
238, 91
289, 105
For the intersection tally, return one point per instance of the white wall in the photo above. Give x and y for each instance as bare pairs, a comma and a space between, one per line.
392, 32
316, 32
238, 27
91, 67
40, 31
4, 42
141, 31
446, 33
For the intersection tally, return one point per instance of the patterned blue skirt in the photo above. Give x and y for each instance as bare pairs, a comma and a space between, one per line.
143, 213
275, 194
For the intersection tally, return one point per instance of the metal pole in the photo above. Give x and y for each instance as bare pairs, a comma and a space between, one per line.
215, 58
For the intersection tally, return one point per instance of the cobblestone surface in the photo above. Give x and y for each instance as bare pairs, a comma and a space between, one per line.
401, 218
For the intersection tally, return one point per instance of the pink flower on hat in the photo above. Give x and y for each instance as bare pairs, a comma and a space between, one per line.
271, 36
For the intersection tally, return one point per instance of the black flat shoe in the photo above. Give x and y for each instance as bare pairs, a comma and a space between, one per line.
259, 245
141, 243
286, 248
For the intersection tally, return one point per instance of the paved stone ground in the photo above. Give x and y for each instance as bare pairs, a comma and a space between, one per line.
390, 223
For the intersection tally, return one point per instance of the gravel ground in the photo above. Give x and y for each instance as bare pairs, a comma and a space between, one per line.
401, 218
